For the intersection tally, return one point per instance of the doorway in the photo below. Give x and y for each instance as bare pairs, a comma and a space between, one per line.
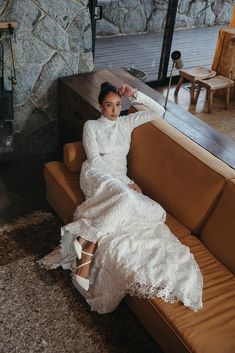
148, 52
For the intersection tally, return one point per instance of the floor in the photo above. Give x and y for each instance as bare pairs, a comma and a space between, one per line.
221, 119
42, 312
22, 187
143, 51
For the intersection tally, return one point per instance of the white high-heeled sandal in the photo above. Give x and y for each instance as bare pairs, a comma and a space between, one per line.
83, 282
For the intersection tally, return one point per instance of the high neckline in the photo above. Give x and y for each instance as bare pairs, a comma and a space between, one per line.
107, 121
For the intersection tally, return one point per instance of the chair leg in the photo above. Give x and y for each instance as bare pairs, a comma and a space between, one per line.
181, 80
197, 93
192, 93
210, 100
227, 97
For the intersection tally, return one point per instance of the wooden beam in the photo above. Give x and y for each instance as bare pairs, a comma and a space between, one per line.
6, 25
232, 19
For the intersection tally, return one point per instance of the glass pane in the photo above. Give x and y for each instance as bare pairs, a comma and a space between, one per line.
130, 37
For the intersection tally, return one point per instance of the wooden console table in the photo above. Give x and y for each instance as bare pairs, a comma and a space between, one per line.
78, 102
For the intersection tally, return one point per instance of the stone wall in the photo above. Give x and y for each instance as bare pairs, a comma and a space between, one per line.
136, 16
53, 39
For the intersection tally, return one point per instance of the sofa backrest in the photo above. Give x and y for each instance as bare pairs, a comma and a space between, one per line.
218, 234
173, 170
188, 181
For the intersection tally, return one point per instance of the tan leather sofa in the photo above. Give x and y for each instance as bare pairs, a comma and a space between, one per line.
198, 192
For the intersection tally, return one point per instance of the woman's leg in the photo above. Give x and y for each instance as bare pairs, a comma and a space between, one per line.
82, 270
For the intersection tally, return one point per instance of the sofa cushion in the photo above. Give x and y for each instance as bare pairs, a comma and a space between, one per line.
212, 328
178, 229
185, 186
219, 232
63, 191
74, 156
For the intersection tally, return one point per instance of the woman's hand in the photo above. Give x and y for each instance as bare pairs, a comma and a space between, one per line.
127, 91
135, 187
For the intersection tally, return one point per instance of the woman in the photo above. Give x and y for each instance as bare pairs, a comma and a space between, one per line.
118, 242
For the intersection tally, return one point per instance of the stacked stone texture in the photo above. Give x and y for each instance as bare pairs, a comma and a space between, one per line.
53, 39
137, 16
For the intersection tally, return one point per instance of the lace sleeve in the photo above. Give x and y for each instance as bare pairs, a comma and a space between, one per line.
154, 110
91, 146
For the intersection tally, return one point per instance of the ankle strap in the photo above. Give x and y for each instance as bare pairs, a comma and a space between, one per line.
84, 264
87, 253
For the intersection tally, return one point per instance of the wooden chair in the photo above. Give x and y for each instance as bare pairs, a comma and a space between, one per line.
212, 85
193, 75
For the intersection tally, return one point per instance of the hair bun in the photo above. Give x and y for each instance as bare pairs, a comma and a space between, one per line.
105, 88
106, 85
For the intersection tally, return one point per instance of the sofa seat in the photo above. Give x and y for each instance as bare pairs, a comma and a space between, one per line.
213, 326
178, 229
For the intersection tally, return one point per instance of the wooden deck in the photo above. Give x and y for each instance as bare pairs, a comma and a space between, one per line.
142, 51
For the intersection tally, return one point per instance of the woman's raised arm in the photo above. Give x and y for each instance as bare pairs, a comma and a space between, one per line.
154, 110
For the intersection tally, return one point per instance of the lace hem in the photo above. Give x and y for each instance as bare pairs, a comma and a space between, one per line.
145, 291
52, 260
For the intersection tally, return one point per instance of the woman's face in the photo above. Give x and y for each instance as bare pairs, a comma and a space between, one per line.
111, 106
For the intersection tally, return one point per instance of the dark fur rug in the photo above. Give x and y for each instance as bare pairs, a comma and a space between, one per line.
41, 311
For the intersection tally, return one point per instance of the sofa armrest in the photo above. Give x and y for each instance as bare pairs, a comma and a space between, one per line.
74, 155
62, 189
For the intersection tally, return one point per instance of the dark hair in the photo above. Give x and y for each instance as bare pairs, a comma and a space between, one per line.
105, 88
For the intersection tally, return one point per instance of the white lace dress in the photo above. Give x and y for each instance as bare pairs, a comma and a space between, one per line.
137, 253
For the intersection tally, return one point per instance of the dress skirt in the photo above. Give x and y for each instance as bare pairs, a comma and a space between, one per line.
136, 253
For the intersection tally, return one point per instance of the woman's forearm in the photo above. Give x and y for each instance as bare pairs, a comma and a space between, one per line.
141, 98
